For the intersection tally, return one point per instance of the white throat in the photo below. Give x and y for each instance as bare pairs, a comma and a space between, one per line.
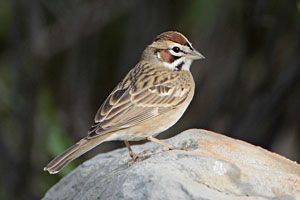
179, 64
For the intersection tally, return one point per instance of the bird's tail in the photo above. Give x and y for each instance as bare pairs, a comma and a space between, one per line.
73, 152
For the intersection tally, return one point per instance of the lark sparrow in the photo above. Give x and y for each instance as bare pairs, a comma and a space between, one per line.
149, 100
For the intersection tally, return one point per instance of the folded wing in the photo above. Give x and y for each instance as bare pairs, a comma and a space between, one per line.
144, 94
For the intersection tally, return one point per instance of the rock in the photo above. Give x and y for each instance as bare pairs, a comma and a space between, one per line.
209, 166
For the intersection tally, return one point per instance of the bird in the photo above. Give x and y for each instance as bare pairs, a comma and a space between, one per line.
149, 100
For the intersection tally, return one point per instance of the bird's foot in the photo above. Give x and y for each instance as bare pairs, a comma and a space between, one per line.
133, 159
166, 146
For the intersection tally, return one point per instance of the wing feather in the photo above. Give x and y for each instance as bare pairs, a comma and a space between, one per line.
145, 93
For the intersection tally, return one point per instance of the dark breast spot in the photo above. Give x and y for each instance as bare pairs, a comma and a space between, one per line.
179, 66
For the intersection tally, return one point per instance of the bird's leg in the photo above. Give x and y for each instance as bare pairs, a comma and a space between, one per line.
166, 145
131, 153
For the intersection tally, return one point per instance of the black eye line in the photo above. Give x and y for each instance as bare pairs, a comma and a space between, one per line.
180, 50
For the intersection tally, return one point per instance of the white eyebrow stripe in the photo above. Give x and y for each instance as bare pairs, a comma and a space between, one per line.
180, 53
190, 45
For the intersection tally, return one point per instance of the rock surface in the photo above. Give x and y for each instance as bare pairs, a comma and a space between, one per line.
211, 166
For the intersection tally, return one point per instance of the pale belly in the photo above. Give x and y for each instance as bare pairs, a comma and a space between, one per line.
152, 127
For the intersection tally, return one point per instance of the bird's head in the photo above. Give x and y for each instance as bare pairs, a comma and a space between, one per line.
173, 50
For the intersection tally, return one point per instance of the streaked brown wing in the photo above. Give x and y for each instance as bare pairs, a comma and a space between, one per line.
144, 94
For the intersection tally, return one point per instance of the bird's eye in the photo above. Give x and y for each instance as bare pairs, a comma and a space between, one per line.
176, 49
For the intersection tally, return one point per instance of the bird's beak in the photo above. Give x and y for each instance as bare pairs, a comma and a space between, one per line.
195, 55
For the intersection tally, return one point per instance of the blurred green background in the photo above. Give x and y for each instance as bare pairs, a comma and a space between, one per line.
60, 59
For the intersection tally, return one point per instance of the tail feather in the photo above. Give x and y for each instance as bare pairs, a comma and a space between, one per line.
73, 152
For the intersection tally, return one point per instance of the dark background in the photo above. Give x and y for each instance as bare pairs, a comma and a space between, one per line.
60, 59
